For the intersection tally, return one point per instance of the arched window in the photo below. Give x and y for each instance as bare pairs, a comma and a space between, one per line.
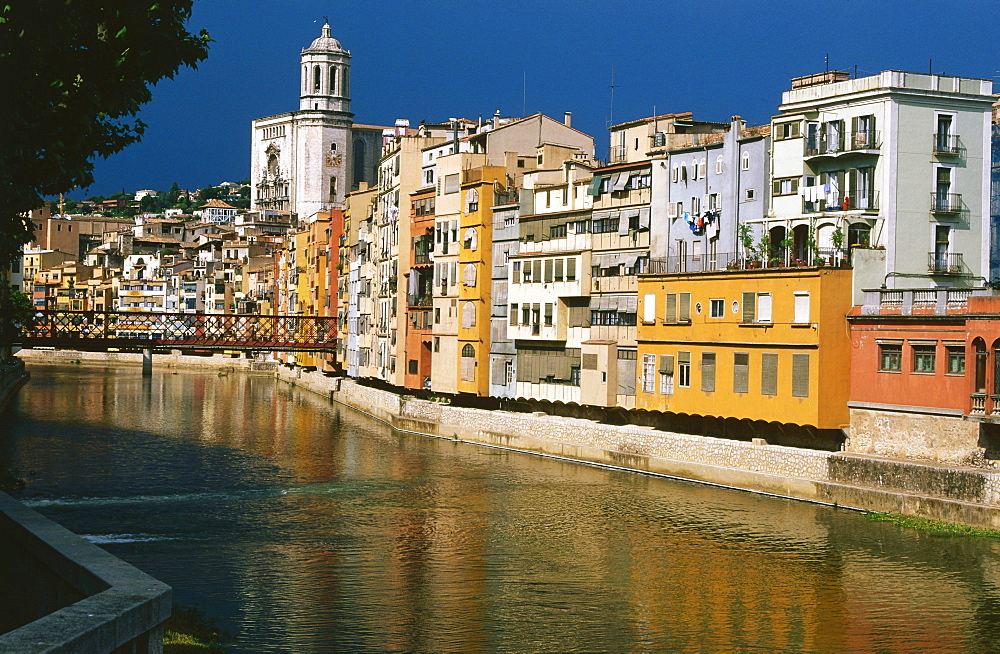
472, 201
345, 82
702, 168
470, 241
468, 317
305, 79
982, 361
317, 77
333, 189
719, 165
469, 274
272, 165
745, 161
333, 80
468, 363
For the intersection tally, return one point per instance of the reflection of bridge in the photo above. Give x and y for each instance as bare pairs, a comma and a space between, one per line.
93, 330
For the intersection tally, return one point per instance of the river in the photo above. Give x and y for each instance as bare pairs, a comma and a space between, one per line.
302, 526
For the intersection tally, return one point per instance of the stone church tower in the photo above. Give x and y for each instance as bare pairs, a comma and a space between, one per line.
307, 161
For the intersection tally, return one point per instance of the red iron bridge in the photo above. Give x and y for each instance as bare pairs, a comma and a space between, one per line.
97, 330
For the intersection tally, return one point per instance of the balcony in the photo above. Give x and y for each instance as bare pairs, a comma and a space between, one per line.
946, 145
619, 154
950, 263
946, 203
867, 203
834, 144
909, 302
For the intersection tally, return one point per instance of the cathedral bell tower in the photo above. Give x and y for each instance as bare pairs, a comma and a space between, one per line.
326, 75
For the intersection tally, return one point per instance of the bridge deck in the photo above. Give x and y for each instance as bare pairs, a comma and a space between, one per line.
93, 330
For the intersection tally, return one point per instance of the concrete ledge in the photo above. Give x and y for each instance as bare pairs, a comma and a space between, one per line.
119, 607
174, 360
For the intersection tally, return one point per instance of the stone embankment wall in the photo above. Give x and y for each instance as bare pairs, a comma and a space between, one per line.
173, 360
12, 377
64, 594
952, 493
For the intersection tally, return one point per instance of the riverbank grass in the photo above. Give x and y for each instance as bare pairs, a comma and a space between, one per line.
932, 526
189, 630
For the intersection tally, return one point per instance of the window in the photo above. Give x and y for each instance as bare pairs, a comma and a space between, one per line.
437, 315
468, 315
708, 372
719, 166
745, 162
956, 360
763, 307
648, 372
470, 241
769, 373
437, 343
649, 307
412, 367
333, 189
684, 369
800, 375
890, 357
702, 168
513, 315
801, 307
750, 195
559, 270
785, 186
549, 276
451, 183
741, 372
717, 308
557, 231
571, 270
674, 174
790, 130
548, 314
923, 358
667, 374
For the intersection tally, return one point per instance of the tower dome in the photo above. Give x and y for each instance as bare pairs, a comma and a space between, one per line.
326, 70
325, 42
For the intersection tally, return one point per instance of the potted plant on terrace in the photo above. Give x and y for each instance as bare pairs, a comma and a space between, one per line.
838, 244
746, 240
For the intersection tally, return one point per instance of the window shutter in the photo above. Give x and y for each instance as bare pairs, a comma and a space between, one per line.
800, 375
796, 129
801, 308
513, 314
852, 183
764, 307
871, 130
666, 364
497, 376
776, 187
649, 307
685, 307
670, 314
741, 372
559, 270
795, 185
708, 372
769, 374
536, 270
548, 271
590, 361
854, 128
749, 307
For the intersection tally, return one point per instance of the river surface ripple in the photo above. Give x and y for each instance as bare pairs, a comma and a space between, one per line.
302, 526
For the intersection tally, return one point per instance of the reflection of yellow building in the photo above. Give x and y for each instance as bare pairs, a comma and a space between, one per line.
475, 277
746, 345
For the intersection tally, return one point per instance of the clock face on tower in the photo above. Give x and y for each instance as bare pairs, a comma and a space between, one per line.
334, 160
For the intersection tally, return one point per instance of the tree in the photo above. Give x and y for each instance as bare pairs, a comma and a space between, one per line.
74, 74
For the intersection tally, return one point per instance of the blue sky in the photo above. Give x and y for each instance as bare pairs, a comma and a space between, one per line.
433, 60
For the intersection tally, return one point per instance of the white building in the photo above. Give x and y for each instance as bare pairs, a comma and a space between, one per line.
306, 161
896, 160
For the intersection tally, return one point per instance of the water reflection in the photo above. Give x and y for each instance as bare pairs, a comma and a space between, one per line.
306, 527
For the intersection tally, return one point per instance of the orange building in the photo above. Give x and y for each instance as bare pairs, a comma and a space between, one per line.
420, 290
750, 353
924, 376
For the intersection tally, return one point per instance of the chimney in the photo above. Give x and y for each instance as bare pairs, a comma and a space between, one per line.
402, 126
496, 119
568, 118
362, 186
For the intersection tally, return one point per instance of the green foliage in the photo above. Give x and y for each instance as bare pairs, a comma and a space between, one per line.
188, 629
209, 193
76, 74
21, 309
838, 238
932, 526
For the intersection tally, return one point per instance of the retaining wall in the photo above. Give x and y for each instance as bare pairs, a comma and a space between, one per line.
965, 495
63, 594
12, 378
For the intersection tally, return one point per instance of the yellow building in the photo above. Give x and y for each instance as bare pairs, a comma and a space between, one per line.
745, 348
475, 260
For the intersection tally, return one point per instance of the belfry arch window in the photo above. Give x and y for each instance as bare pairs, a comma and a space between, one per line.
317, 77
272, 165
333, 80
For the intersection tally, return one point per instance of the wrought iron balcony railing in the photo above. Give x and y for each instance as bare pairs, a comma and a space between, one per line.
946, 144
945, 203
949, 263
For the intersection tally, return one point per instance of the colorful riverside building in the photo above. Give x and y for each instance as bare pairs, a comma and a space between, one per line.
925, 381
475, 263
419, 291
747, 353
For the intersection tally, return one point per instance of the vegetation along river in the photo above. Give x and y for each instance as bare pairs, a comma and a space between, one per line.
302, 526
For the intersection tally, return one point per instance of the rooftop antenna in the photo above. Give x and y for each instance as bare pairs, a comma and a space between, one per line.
930, 66
613, 86
826, 59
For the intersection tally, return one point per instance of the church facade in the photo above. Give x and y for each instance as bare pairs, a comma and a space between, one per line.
307, 161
